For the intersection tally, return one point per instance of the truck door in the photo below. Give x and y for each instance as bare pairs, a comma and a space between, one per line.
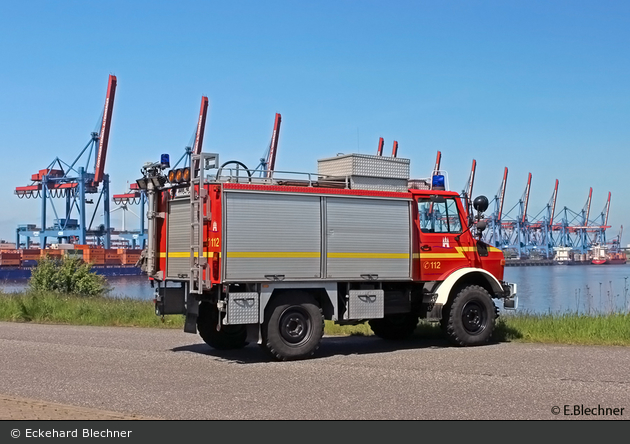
440, 222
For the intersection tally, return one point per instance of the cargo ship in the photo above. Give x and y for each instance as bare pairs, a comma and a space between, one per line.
617, 258
18, 264
599, 254
603, 256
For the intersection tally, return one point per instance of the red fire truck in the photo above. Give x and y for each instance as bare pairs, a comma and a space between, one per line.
268, 257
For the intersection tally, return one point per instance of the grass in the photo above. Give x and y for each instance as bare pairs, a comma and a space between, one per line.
52, 308
567, 328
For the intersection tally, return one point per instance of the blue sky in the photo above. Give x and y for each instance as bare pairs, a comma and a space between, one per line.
540, 87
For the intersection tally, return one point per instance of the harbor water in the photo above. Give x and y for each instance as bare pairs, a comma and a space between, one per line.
588, 289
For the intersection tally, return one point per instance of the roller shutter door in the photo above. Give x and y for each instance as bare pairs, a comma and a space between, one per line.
272, 234
178, 239
367, 236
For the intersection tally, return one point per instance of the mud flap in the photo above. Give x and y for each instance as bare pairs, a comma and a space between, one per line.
435, 314
192, 311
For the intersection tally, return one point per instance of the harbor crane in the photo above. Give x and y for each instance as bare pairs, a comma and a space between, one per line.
72, 182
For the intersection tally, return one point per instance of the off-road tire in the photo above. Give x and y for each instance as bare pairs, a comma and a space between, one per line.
228, 338
293, 327
471, 317
394, 327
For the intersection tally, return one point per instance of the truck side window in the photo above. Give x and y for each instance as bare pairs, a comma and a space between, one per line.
439, 217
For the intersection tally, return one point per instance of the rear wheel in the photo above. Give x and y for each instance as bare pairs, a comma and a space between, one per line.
470, 320
394, 327
293, 327
229, 337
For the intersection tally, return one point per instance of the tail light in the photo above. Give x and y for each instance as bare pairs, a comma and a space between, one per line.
215, 266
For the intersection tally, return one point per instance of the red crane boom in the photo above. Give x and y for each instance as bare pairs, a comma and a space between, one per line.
471, 180
395, 149
607, 210
201, 127
502, 194
588, 206
554, 196
529, 184
437, 161
99, 170
273, 146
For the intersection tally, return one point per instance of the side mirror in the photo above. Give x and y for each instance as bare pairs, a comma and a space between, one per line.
481, 203
481, 225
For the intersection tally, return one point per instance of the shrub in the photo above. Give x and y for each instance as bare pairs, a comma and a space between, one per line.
67, 275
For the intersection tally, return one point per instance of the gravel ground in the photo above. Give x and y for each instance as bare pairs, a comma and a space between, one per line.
71, 372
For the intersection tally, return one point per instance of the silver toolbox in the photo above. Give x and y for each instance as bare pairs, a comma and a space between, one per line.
365, 304
242, 308
364, 165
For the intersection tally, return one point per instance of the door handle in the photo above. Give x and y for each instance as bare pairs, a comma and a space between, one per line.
426, 248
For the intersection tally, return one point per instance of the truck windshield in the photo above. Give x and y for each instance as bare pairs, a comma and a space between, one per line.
439, 217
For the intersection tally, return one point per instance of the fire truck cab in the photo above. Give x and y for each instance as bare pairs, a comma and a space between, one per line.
266, 258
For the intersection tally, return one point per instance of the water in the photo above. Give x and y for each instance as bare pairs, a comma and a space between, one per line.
588, 289
136, 287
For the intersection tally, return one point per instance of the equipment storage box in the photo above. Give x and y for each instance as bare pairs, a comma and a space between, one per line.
364, 165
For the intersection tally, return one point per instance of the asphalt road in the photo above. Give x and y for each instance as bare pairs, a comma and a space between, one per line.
173, 375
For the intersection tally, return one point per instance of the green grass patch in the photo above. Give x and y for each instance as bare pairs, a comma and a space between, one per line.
567, 328
332, 329
56, 308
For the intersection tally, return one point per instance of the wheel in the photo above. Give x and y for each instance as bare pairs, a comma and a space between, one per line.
394, 327
293, 327
228, 338
471, 317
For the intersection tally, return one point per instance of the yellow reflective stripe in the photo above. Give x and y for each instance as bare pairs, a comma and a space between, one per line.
268, 254
187, 254
458, 255
369, 255
181, 254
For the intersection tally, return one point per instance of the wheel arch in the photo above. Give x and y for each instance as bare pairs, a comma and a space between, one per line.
464, 277
321, 294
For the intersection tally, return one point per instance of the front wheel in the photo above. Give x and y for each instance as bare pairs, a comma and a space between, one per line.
471, 317
293, 327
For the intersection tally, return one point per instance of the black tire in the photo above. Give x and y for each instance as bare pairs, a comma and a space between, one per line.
228, 338
394, 327
470, 320
293, 327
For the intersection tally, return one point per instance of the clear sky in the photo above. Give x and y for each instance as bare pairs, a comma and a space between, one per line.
535, 86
